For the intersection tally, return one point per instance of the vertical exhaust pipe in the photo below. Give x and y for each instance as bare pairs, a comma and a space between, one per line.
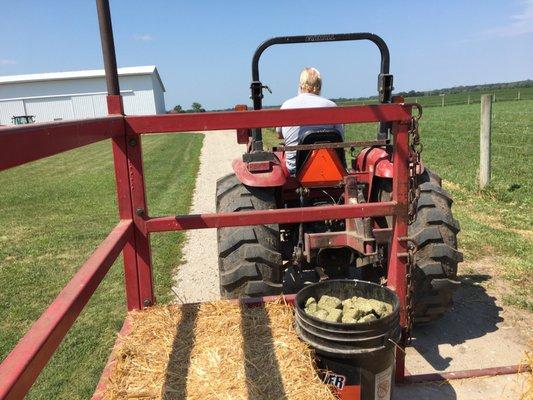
108, 47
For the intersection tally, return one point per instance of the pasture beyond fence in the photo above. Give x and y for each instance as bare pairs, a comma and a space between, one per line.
451, 138
453, 99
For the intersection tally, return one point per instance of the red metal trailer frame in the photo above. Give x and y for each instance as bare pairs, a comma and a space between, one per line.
22, 144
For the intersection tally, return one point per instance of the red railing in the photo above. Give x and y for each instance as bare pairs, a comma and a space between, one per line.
25, 143
19, 145
22, 366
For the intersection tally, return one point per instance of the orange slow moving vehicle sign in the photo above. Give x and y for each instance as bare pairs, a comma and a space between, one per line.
322, 168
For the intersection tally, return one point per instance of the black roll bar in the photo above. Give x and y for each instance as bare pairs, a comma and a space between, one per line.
384, 78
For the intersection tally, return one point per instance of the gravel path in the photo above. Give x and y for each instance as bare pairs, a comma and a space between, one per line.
197, 278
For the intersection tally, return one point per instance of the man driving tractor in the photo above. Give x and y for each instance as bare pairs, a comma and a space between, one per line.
308, 97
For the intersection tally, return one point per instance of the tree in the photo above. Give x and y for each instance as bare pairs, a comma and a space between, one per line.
197, 107
178, 109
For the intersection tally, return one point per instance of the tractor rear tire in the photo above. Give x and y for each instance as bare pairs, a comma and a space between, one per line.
435, 231
249, 259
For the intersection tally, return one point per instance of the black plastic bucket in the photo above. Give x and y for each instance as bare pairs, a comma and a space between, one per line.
358, 359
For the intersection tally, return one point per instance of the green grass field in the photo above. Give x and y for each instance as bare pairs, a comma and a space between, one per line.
54, 213
470, 97
497, 223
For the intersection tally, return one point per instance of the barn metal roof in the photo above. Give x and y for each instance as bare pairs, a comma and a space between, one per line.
94, 73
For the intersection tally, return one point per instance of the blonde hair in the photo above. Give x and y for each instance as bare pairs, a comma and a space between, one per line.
310, 81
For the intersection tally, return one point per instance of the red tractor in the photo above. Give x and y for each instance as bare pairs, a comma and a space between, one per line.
270, 259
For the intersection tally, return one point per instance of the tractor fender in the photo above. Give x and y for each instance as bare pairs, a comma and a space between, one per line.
271, 176
377, 161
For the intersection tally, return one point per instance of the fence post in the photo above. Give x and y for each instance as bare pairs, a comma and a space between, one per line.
484, 140
518, 95
468, 101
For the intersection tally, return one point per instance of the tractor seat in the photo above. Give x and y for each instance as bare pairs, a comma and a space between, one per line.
319, 136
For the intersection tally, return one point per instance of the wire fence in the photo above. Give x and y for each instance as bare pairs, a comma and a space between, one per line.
460, 98
451, 145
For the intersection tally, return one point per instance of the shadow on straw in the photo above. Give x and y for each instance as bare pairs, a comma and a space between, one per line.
263, 376
175, 386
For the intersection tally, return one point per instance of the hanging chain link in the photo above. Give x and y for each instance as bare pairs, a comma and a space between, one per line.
415, 148
409, 296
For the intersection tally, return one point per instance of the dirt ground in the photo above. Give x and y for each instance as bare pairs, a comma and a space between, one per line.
480, 332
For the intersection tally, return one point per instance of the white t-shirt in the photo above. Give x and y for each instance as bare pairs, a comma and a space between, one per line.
293, 134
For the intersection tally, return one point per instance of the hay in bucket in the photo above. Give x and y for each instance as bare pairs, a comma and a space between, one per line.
216, 350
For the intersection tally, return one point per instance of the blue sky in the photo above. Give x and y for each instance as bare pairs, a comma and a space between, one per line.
203, 49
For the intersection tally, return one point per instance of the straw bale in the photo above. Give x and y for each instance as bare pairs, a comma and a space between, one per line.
527, 390
216, 350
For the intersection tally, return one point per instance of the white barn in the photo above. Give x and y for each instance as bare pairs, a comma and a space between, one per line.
60, 96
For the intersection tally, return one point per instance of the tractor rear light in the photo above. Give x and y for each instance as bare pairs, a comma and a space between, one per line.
259, 166
243, 135
398, 99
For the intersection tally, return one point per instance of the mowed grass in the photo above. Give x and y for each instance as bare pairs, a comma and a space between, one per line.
497, 223
54, 213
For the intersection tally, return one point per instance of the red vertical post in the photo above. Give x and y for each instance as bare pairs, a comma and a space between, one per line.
129, 177
122, 179
396, 277
131, 197
140, 212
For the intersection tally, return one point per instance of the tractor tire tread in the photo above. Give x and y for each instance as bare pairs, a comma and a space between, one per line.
250, 263
435, 231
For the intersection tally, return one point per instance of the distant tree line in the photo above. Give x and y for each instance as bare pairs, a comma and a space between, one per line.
453, 90
195, 107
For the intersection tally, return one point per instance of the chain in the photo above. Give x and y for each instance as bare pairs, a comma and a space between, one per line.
409, 296
415, 148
